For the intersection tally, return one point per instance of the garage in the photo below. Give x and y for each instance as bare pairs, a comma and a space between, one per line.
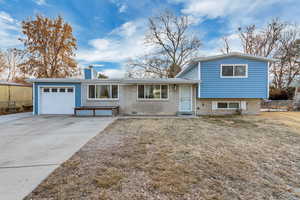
57, 100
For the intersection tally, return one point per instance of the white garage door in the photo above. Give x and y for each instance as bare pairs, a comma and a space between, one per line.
57, 100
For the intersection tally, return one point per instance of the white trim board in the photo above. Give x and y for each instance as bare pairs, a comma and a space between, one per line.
33, 98
199, 77
268, 79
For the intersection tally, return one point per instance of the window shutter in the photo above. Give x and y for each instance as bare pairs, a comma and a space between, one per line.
243, 105
214, 105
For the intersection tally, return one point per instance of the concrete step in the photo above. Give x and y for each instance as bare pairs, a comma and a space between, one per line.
185, 113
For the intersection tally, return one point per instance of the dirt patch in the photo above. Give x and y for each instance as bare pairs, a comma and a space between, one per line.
205, 158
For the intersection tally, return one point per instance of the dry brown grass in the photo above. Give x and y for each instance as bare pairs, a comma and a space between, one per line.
290, 119
207, 158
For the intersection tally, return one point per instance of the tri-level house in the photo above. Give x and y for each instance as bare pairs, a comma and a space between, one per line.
221, 84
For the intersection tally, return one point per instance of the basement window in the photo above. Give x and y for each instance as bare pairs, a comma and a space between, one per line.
228, 105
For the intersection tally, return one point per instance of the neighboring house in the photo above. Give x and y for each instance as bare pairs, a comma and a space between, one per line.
221, 84
15, 96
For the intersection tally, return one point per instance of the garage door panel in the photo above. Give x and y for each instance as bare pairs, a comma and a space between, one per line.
57, 101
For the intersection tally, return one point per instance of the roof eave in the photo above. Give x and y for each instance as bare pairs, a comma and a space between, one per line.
209, 58
54, 80
124, 81
161, 82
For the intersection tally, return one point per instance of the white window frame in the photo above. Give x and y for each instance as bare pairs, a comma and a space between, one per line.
234, 65
228, 102
145, 99
56, 87
105, 99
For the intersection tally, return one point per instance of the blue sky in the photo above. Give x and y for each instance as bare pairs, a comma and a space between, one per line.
109, 32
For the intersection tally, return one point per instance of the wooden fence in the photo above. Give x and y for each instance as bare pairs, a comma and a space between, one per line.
14, 98
277, 105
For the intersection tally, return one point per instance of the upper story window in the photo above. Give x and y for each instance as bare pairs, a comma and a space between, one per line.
234, 71
153, 91
103, 92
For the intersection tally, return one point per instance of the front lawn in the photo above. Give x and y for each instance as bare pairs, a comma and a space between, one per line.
204, 158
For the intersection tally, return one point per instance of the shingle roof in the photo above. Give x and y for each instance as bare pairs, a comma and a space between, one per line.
13, 84
238, 54
121, 81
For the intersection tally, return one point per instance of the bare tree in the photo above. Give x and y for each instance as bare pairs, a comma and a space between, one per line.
10, 62
264, 42
288, 68
226, 48
102, 76
278, 40
2, 62
149, 66
49, 44
174, 46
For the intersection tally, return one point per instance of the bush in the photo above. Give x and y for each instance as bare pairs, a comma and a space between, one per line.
282, 94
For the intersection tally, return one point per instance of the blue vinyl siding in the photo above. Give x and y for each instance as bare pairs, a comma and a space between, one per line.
213, 86
37, 93
192, 73
85, 113
103, 112
87, 73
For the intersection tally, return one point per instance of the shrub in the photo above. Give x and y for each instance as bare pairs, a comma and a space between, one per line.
282, 94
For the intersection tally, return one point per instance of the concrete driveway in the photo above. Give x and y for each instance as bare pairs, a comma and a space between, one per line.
32, 147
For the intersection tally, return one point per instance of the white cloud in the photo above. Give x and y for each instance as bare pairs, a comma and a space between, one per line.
114, 73
221, 8
213, 47
6, 17
9, 31
237, 13
122, 43
100, 43
234, 14
122, 7
40, 2
127, 29
98, 65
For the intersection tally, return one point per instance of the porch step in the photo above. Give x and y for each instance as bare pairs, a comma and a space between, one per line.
96, 111
185, 113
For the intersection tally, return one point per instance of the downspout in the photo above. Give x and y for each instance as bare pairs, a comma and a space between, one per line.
199, 78
9, 91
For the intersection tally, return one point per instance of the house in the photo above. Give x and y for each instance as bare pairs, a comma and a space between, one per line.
222, 84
